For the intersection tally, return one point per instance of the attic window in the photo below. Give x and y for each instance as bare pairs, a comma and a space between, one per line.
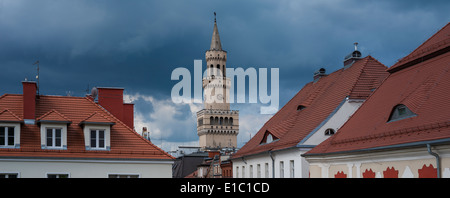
329, 132
400, 112
268, 138
300, 107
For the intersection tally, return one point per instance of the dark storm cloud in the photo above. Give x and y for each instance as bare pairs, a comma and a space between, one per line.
137, 44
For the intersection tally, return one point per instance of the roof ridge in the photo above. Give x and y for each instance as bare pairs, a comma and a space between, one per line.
366, 61
127, 127
365, 66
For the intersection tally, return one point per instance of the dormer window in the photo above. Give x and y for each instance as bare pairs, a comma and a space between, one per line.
329, 132
53, 130
9, 129
400, 112
268, 138
300, 107
97, 132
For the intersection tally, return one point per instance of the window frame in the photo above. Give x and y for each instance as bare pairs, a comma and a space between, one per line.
53, 138
97, 139
400, 112
16, 133
8, 174
124, 175
6, 134
44, 127
107, 137
329, 134
57, 175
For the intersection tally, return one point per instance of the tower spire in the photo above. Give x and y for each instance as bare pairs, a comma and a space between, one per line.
215, 41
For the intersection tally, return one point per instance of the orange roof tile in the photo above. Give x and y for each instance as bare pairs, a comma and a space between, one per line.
53, 115
320, 98
423, 87
97, 117
125, 142
7, 115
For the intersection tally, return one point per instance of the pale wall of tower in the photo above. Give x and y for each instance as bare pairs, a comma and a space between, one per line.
218, 128
216, 86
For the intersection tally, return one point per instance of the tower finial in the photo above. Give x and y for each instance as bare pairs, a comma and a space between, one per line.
214, 17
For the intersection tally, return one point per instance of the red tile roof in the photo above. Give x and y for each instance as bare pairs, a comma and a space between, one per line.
125, 142
320, 98
53, 115
96, 117
423, 87
7, 115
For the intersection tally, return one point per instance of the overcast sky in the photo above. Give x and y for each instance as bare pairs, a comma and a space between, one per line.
137, 44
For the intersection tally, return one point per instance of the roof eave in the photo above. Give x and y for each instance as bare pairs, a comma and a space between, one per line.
382, 148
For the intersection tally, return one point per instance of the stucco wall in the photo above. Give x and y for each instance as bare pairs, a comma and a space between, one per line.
40, 169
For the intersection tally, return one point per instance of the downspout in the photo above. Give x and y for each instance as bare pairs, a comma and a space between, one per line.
438, 160
273, 164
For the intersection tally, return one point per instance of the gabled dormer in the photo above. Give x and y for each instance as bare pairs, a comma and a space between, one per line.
53, 127
268, 138
9, 129
97, 131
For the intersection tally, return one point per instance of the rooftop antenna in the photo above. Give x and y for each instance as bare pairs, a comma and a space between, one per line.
214, 17
37, 76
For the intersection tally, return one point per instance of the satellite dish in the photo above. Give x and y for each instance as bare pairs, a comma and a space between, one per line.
94, 92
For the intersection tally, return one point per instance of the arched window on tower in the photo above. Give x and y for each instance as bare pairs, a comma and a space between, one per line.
231, 121
218, 70
211, 120
221, 121
216, 120
211, 70
226, 121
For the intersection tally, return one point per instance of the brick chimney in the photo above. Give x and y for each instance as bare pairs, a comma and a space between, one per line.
112, 100
128, 114
29, 100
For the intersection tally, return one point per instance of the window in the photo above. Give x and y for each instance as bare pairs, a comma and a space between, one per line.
9, 175
54, 138
266, 170
123, 176
291, 169
258, 170
237, 171
329, 132
268, 138
400, 112
251, 171
300, 107
57, 175
98, 139
6, 136
281, 169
